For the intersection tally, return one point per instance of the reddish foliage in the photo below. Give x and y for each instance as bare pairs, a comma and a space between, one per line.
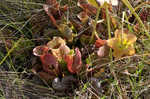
53, 5
144, 14
74, 63
69, 61
40, 50
50, 64
77, 61
100, 43
54, 11
89, 9
50, 14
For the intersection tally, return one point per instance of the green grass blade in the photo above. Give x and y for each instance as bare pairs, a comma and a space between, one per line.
10, 51
127, 3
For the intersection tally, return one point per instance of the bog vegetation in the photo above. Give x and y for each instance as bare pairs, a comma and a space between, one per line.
75, 48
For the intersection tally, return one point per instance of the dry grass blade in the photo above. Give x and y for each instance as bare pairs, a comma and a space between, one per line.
15, 88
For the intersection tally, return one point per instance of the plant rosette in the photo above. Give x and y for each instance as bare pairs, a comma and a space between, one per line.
122, 44
54, 53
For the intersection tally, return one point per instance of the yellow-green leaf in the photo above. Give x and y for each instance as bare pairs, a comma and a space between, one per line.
122, 43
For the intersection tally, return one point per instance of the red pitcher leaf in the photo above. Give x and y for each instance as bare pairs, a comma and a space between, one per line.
46, 8
74, 63
40, 50
51, 8
55, 11
77, 61
53, 5
100, 43
50, 64
69, 60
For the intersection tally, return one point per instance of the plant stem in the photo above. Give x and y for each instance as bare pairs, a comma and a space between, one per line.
111, 58
94, 33
108, 27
